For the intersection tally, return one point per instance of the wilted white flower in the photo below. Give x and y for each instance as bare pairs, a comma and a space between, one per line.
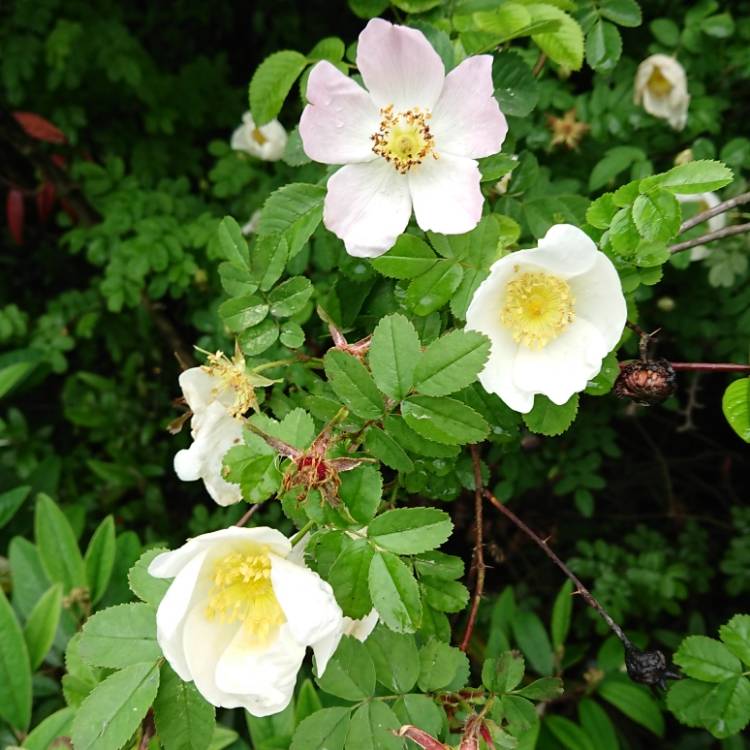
218, 394
661, 86
552, 314
703, 202
266, 142
239, 615
409, 141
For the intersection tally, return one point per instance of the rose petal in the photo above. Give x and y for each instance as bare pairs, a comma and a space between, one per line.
467, 120
399, 66
368, 207
337, 123
446, 194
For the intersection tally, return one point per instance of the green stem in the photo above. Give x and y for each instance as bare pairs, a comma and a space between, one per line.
298, 536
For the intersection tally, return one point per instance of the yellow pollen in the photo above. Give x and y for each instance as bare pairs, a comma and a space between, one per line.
258, 137
242, 592
658, 83
233, 374
537, 308
404, 138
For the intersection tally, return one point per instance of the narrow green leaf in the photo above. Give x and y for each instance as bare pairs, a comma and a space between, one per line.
393, 355
100, 558
44, 734
451, 363
113, 710
293, 212
15, 671
10, 502
533, 641
395, 593
635, 702
41, 625
386, 449
58, 549
569, 734
700, 176
561, 613
184, 719
349, 577
361, 491
434, 288
272, 82
353, 384
444, 420
232, 243
597, 724
409, 531
120, 636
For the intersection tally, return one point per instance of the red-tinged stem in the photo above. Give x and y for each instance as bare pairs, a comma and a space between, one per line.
248, 515
718, 234
709, 213
704, 367
580, 588
479, 565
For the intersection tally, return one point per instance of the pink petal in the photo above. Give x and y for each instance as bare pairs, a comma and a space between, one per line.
467, 120
446, 194
399, 66
368, 207
337, 123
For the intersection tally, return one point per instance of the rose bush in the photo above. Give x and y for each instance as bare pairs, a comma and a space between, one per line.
427, 351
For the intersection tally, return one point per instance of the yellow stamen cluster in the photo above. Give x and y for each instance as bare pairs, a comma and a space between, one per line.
258, 137
242, 592
658, 84
233, 374
404, 138
537, 308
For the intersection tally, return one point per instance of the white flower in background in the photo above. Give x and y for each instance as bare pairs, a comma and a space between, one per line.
552, 314
218, 394
252, 225
266, 142
239, 616
409, 141
703, 202
661, 86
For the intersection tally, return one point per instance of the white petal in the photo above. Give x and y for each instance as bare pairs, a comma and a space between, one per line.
446, 194
240, 140
599, 300
399, 66
176, 603
337, 123
564, 366
272, 149
262, 679
368, 207
361, 629
308, 602
483, 315
467, 120
325, 648
565, 251
204, 642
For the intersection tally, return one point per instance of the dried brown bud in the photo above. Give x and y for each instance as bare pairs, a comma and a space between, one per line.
646, 383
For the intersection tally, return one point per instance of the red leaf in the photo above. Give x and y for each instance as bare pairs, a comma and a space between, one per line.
45, 200
38, 127
14, 212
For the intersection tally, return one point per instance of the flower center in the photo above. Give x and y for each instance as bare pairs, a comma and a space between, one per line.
538, 307
242, 592
658, 84
258, 137
233, 374
403, 138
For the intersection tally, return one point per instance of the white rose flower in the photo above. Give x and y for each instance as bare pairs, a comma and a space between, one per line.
239, 615
215, 429
410, 141
552, 314
661, 86
251, 226
266, 142
703, 202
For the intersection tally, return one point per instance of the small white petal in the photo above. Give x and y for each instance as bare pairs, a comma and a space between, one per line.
361, 629
399, 66
446, 194
307, 601
261, 677
368, 207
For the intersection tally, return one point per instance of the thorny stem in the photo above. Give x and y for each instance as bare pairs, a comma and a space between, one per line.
717, 234
703, 367
248, 515
479, 565
580, 588
709, 213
